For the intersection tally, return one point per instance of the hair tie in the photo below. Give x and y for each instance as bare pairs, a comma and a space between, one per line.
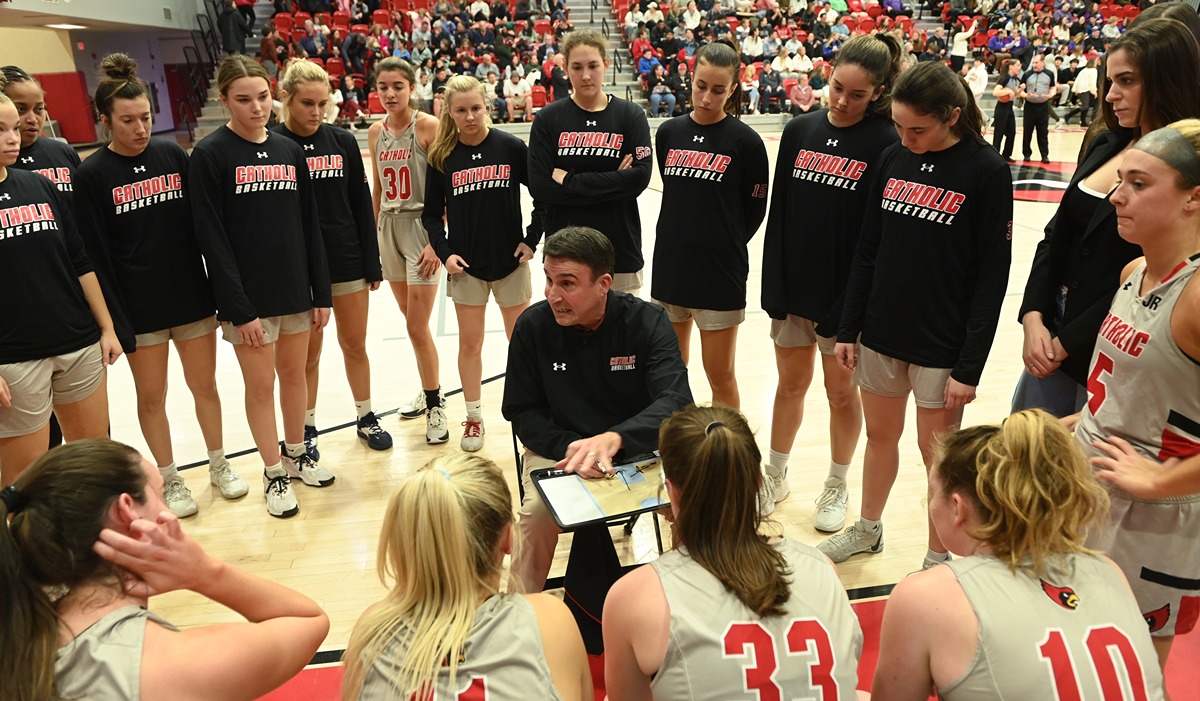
13, 500
444, 473
708, 429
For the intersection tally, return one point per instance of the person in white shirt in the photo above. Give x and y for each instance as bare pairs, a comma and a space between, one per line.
977, 80
480, 10
632, 19
517, 92
653, 14
691, 16
1085, 90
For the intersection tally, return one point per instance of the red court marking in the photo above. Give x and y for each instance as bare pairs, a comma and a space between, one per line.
324, 683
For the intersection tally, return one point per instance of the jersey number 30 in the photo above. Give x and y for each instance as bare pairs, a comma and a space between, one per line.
397, 183
805, 636
1101, 644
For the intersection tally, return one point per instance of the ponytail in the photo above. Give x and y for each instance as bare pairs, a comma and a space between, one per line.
930, 87
878, 55
722, 54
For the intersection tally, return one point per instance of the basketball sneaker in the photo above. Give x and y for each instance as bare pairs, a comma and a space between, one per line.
831, 506
370, 431
307, 470
310, 442
179, 497
228, 482
417, 406
277, 488
769, 489
437, 430
930, 562
472, 439
851, 541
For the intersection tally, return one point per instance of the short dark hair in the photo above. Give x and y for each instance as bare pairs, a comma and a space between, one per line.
581, 244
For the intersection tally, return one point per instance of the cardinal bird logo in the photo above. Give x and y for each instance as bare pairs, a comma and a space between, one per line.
1063, 596
1158, 618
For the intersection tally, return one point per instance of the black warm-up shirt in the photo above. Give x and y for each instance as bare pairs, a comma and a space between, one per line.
54, 160
822, 178
479, 191
714, 197
590, 147
135, 217
931, 267
256, 219
41, 260
339, 182
563, 383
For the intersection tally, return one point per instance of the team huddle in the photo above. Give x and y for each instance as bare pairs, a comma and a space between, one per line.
887, 250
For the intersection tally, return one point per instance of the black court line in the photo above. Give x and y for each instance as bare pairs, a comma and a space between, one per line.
335, 656
1169, 580
339, 427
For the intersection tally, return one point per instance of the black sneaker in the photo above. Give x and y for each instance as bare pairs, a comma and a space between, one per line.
369, 431
310, 442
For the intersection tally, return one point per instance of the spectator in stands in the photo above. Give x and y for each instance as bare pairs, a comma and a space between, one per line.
486, 67
354, 53
420, 52
768, 11
977, 80
497, 106
770, 86
401, 51
246, 9
689, 45
691, 16
681, 86
771, 46
721, 28
499, 12
424, 93
234, 29
353, 98
1094, 42
783, 66
749, 83
360, 13
559, 80
653, 15
896, 8
659, 93
483, 37
752, 47
421, 33
522, 12
647, 63
669, 46
517, 92
802, 98
960, 46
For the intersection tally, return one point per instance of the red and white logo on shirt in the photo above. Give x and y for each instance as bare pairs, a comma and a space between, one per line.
26, 219
322, 167
264, 178
922, 201
480, 178
590, 143
144, 193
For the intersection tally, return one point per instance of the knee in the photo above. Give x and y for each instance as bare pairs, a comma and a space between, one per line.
418, 331
260, 389
203, 389
794, 386
470, 349
153, 401
842, 397
355, 349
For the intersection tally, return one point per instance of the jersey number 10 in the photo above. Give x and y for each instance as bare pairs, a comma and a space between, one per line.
805, 636
1101, 643
397, 183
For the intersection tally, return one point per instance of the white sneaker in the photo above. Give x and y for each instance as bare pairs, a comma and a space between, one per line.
307, 470
277, 489
179, 497
416, 407
1059, 125
773, 485
436, 428
851, 541
831, 506
472, 439
930, 562
230, 484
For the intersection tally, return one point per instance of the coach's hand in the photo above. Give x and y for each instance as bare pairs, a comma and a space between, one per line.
957, 395
251, 333
1038, 351
847, 356
591, 458
455, 264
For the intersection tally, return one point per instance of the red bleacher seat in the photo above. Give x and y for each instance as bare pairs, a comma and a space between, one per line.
541, 27
1106, 10
866, 25
360, 29
733, 23
873, 11
341, 17
301, 18
1131, 11
374, 106
335, 68
850, 22
326, 18
382, 17
317, 60
284, 23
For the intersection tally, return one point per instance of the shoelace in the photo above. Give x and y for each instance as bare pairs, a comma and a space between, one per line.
847, 536
829, 497
437, 417
176, 489
279, 484
474, 429
224, 473
304, 462
372, 428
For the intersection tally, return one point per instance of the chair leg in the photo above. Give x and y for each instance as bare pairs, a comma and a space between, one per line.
658, 533
520, 471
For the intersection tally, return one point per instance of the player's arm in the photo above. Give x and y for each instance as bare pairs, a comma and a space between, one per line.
361, 205
758, 169
620, 184
903, 671
376, 187
637, 624
525, 404
563, 645
773, 270
542, 185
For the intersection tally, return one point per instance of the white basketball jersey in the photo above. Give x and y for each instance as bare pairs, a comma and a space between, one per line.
723, 651
402, 163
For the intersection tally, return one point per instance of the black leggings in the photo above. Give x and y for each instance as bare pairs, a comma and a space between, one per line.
1005, 127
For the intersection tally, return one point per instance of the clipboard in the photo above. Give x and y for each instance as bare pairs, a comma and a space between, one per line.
574, 501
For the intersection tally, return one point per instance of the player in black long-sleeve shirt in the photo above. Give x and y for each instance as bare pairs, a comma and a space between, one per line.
131, 202
926, 286
256, 218
49, 157
56, 335
591, 374
339, 183
714, 171
474, 177
827, 160
590, 158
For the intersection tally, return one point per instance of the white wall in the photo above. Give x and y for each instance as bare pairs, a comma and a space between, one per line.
143, 48
143, 13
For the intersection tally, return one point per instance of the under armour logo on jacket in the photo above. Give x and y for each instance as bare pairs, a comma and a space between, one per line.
139, 169
831, 142
559, 366
263, 154
476, 156
926, 167
309, 147
698, 139
5, 196
591, 123
27, 159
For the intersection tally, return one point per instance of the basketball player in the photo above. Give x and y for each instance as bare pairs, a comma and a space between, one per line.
399, 146
56, 334
829, 157
87, 519
133, 210
700, 258
49, 157
339, 183
444, 630
729, 612
475, 178
1035, 614
1141, 423
1154, 79
940, 213
256, 219
590, 158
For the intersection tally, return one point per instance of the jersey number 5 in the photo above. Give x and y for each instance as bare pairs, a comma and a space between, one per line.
397, 183
1101, 643
805, 636
1097, 390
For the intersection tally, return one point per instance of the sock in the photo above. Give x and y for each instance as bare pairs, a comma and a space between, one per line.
934, 556
169, 472
363, 408
275, 470
475, 410
310, 417
870, 526
838, 470
216, 457
778, 461
294, 450
432, 397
